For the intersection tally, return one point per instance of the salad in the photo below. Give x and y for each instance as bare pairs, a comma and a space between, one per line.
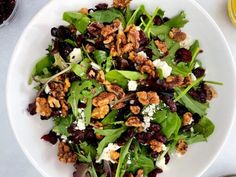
124, 89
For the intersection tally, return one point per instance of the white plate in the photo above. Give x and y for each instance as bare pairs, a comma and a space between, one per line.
35, 39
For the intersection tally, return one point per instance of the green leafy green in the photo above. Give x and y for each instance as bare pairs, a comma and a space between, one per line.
61, 124
79, 20
132, 75
115, 77
108, 64
155, 50
59, 62
150, 22
88, 149
205, 127
110, 118
137, 13
195, 138
81, 69
113, 135
74, 96
178, 21
100, 56
128, 14
160, 116
71, 42
88, 111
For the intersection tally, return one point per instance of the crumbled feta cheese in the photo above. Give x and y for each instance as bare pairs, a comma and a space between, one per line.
106, 153
166, 69
76, 55
70, 142
95, 66
132, 85
161, 163
147, 122
186, 43
191, 121
150, 110
131, 101
193, 77
164, 148
80, 123
64, 138
47, 89
138, 28
192, 129
142, 54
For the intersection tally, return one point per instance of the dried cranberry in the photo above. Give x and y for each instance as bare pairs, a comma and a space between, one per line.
160, 138
80, 40
167, 158
148, 136
44, 118
154, 172
89, 134
154, 154
155, 127
166, 19
181, 110
101, 6
54, 32
121, 64
183, 55
199, 72
51, 137
158, 20
63, 33
168, 100
196, 118
143, 39
199, 94
141, 138
77, 136
149, 52
32, 108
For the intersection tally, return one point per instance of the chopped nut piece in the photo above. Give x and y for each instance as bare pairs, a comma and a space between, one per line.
118, 106
101, 76
133, 121
91, 73
95, 28
100, 112
108, 39
84, 11
53, 102
89, 48
121, 3
103, 98
135, 109
65, 154
210, 91
42, 107
133, 35
114, 155
110, 29
156, 145
177, 35
161, 46
64, 108
67, 85
148, 98
117, 90
187, 81
181, 147
174, 81
140, 173
187, 118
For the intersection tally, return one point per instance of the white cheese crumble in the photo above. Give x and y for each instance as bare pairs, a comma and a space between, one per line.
147, 122
106, 153
47, 89
142, 54
161, 163
148, 113
193, 77
191, 121
186, 43
95, 66
164, 148
192, 129
131, 101
166, 69
80, 123
76, 55
132, 85
64, 138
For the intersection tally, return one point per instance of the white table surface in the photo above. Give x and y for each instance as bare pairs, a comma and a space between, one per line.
13, 162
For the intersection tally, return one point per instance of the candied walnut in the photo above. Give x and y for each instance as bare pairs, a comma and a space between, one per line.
156, 145
91, 73
181, 147
64, 108
100, 112
65, 154
114, 155
108, 39
187, 81
210, 92
89, 48
148, 98
67, 85
95, 28
101, 76
127, 48
174, 81
98, 125
110, 29
57, 90
117, 90
113, 51
118, 106
187, 118
42, 107
121, 3
133, 35
103, 99
135, 109
53, 102
134, 121
177, 35
84, 11
161, 46
140, 173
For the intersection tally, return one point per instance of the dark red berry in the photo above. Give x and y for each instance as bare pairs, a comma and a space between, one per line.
51, 137
32, 108
199, 72
167, 158
101, 6
183, 55
155, 127
154, 172
158, 20
196, 118
54, 32
160, 138
154, 154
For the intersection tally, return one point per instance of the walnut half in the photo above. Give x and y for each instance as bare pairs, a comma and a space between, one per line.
65, 154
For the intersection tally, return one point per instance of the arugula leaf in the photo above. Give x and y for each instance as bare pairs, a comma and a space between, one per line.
109, 138
88, 149
178, 21
150, 22
59, 62
108, 64
81, 69
128, 14
88, 111
79, 20
137, 13
114, 76
61, 124
123, 153
100, 56
132, 75
107, 16
205, 127
195, 49
110, 118
74, 96
193, 105
155, 50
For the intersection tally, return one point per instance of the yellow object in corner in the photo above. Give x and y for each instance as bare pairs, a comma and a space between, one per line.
232, 10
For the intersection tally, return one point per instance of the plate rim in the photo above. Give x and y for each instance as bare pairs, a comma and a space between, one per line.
13, 58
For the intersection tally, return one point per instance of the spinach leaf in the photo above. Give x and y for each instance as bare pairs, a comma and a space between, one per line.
110, 118
107, 16
205, 127
178, 21
109, 138
132, 75
79, 20
136, 15
193, 105
128, 14
195, 138
160, 116
88, 111
108, 64
61, 124
115, 77
123, 153
100, 56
